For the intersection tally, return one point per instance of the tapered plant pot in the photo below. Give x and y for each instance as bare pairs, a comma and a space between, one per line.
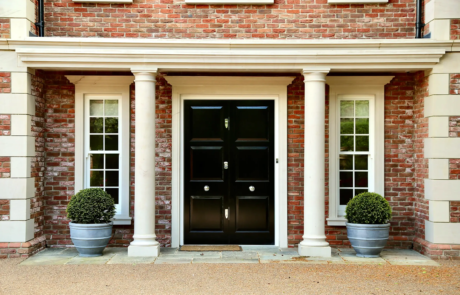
368, 240
90, 239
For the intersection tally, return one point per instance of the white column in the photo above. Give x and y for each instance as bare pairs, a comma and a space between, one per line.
144, 243
314, 238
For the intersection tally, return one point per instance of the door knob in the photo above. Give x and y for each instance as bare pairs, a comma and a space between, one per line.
251, 188
206, 188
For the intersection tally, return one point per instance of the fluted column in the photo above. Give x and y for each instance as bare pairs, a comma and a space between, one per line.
144, 243
314, 238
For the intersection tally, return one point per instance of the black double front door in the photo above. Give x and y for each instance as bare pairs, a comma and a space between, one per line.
229, 172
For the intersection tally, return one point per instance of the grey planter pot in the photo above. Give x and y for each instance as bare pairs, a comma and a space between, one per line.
368, 240
90, 239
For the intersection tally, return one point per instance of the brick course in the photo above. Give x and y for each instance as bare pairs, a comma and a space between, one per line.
454, 83
5, 125
454, 127
5, 82
5, 28
454, 168
4, 210
5, 167
454, 210
455, 29
286, 19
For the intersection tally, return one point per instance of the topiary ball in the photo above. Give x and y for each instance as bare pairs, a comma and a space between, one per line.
89, 206
368, 208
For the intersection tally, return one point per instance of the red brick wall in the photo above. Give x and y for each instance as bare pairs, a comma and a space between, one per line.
5, 82
455, 29
454, 83
5, 125
5, 28
399, 158
454, 127
59, 156
421, 164
454, 210
286, 19
4, 210
5, 167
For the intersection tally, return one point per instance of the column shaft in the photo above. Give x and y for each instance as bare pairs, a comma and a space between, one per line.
144, 243
314, 238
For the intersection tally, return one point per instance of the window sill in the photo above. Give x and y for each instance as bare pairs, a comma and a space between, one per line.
336, 221
222, 2
122, 220
356, 1
104, 1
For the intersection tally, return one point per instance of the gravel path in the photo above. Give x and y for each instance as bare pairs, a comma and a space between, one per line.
273, 278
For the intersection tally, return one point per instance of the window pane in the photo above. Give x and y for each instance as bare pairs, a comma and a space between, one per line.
96, 107
113, 192
95, 143
111, 125
346, 143
97, 161
111, 142
96, 178
361, 162
346, 108
346, 162
358, 191
362, 143
361, 179
111, 178
346, 126
111, 161
362, 108
345, 196
346, 179
362, 126
111, 107
95, 125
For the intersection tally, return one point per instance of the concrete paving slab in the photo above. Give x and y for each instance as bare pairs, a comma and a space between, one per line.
289, 251
89, 260
115, 251
394, 257
414, 262
125, 259
224, 260
51, 252
168, 250
240, 255
46, 260
184, 254
162, 260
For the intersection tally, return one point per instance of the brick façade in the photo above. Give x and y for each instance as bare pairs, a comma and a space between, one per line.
286, 19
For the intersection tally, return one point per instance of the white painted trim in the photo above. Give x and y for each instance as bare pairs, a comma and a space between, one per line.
229, 55
260, 88
230, 2
107, 86
359, 87
356, 1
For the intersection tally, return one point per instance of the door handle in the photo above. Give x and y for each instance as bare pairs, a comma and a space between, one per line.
251, 188
206, 188
226, 213
225, 165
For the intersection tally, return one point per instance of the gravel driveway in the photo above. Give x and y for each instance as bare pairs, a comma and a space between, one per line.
273, 278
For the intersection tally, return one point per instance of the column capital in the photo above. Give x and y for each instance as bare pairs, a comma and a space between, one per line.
144, 74
315, 74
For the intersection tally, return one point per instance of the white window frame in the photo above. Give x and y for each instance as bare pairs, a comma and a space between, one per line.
356, 87
107, 87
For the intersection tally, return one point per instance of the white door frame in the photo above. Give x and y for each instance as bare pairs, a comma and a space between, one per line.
228, 88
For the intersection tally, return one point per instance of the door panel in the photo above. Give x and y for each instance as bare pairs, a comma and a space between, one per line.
206, 213
252, 214
211, 189
206, 163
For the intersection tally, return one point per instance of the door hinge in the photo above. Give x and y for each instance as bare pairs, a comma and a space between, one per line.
227, 122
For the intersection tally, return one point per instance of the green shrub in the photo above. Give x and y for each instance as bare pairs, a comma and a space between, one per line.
368, 208
92, 205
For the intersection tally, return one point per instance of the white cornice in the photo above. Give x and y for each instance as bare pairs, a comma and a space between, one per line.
229, 55
227, 80
353, 81
101, 80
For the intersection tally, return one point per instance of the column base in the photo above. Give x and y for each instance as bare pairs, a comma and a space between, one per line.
315, 251
144, 251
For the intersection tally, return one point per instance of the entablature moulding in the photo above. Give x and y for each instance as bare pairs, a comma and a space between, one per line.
229, 55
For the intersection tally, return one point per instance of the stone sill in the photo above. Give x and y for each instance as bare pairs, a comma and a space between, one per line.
125, 220
227, 2
336, 221
356, 1
104, 1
